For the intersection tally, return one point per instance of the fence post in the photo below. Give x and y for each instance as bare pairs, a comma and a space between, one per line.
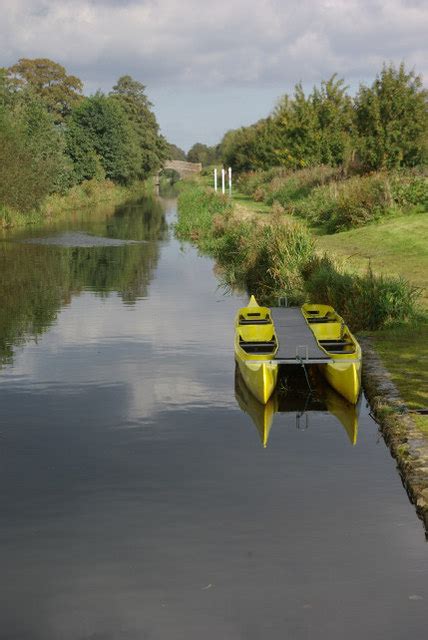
215, 179
223, 180
230, 181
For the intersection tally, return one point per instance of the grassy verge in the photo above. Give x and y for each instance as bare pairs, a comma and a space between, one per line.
397, 246
89, 193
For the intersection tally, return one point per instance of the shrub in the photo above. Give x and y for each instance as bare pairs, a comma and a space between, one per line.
365, 301
410, 190
197, 209
282, 251
351, 203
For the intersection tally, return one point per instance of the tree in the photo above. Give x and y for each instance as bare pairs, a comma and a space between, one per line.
335, 119
152, 147
203, 153
392, 120
175, 153
99, 129
32, 162
49, 80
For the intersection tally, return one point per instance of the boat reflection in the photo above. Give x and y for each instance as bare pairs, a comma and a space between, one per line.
293, 395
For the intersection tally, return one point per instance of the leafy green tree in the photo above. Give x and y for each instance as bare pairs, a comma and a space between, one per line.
86, 164
4, 87
296, 120
203, 153
175, 153
151, 147
100, 129
27, 171
335, 121
50, 82
392, 120
302, 131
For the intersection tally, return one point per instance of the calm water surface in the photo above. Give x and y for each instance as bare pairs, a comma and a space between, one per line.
137, 499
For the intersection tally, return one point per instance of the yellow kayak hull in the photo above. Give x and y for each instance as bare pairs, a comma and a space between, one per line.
259, 377
344, 378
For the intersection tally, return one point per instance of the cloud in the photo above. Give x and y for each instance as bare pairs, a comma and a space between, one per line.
209, 67
226, 43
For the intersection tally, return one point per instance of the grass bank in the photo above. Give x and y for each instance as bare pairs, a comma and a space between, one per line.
89, 193
324, 197
280, 259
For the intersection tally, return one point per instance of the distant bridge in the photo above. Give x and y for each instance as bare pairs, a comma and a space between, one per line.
184, 169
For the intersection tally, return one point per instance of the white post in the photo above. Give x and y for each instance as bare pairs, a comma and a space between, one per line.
223, 180
215, 179
230, 181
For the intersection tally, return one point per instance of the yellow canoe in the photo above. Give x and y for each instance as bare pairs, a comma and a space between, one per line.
255, 346
334, 337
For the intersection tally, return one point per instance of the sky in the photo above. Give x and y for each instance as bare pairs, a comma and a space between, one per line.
214, 66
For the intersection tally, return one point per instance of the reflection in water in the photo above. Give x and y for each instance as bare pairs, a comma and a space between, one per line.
41, 279
293, 396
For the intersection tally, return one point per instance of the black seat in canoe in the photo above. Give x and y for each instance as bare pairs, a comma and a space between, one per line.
255, 319
258, 347
336, 346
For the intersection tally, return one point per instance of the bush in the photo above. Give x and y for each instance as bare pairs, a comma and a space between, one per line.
27, 175
281, 252
410, 190
351, 203
285, 186
365, 302
197, 209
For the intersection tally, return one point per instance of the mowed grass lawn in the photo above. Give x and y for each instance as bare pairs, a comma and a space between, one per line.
398, 246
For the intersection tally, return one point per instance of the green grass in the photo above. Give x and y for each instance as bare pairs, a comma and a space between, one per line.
251, 205
397, 246
404, 352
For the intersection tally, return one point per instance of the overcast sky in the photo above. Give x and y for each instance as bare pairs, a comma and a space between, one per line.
212, 66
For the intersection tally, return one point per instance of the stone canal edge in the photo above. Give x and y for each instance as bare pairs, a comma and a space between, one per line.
407, 445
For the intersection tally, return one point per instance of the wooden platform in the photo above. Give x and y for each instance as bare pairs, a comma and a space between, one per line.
296, 341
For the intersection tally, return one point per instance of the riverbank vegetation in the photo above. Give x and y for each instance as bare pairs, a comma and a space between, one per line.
280, 259
56, 142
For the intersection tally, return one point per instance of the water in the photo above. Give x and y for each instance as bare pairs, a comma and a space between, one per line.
138, 501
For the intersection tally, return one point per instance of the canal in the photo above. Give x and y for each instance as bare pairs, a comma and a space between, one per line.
138, 500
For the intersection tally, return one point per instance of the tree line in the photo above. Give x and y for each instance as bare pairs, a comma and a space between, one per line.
384, 126
52, 137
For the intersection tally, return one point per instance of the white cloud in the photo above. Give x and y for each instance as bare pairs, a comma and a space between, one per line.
226, 42
195, 57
